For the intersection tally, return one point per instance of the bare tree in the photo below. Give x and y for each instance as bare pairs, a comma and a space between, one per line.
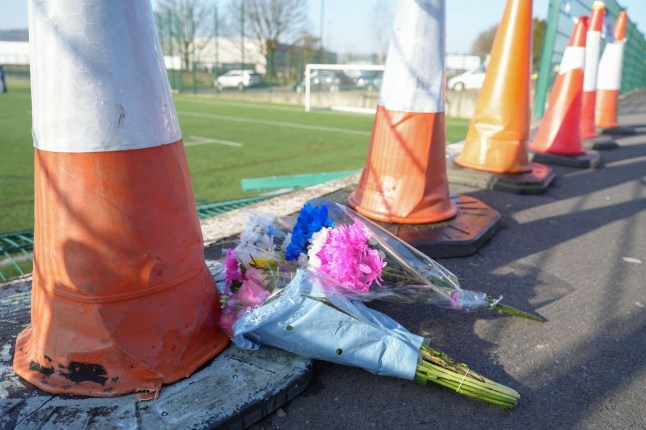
484, 41
187, 24
271, 22
381, 25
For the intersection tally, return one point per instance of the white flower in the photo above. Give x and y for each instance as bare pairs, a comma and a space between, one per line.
286, 242
302, 260
265, 243
317, 242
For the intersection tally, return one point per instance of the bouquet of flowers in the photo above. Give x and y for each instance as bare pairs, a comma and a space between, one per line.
358, 259
301, 318
298, 285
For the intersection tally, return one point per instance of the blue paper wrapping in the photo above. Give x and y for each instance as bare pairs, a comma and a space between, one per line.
340, 331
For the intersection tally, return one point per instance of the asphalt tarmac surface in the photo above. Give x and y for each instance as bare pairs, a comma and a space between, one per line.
575, 255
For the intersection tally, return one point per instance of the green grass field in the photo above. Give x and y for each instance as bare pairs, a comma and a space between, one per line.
226, 141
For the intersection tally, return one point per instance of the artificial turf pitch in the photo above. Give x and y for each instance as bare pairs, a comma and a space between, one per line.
225, 140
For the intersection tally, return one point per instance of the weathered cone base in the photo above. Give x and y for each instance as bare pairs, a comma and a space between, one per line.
534, 182
619, 131
462, 235
600, 143
589, 160
232, 391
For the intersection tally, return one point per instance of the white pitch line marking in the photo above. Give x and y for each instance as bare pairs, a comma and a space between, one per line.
199, 140
275, 123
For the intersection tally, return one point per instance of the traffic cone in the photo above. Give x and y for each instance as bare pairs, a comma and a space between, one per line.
592, 47
122, 300
404, 179
558, 139
495, 153
609, 81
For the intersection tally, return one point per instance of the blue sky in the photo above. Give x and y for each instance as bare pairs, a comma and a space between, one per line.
348, 26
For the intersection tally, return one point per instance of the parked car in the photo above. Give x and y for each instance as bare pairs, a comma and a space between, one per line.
369, 80
471, 80
326, 80
239, 79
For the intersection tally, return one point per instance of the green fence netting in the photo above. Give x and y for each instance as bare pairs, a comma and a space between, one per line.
16, 258
557, 34
15, 253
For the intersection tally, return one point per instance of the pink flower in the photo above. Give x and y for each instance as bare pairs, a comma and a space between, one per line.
347, 258
252, 292
232, 268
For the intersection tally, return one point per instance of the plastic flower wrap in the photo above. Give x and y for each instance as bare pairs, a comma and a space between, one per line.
360, 260
299, 316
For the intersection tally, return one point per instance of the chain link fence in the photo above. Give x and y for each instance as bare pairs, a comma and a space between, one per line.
557, 34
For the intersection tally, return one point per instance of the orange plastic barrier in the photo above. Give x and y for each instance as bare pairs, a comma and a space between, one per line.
560, 129
497, 140
593, 45
122, 300
404, 179
609, 80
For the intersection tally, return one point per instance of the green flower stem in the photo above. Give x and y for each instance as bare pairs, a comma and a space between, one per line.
509, 310
437, 367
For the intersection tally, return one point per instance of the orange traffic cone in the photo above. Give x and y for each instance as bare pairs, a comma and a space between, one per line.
609, 80
122, 300
558, 139
495, 153
592, 48
404, 178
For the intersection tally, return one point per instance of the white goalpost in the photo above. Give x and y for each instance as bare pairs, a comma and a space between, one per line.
347, 87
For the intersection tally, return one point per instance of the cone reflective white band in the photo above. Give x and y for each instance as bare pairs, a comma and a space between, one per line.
121, 97
610, 67
592, 48
573, 58
414, 76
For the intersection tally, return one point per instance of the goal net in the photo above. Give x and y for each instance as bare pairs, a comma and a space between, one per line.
347, 87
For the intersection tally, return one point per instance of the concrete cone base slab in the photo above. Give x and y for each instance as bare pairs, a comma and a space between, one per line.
589, 160
459, 236
600, 143
619, 131
234, 390
534, 182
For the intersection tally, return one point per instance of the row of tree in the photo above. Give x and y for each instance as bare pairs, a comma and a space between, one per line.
191, 24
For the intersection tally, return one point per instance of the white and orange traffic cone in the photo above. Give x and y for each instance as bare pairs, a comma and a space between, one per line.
558, 139
592, 49
122, 300
495, 153
609, 80
404, 178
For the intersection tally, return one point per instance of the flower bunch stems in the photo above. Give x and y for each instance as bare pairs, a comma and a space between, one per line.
509, 310
435, 366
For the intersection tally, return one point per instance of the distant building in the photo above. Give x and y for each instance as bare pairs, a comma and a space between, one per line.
15, 53
14, 35
14, 47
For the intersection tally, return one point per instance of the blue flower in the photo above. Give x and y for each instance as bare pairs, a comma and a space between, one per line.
310, 220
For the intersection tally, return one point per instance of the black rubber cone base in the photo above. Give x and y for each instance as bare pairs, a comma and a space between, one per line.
589, 160
619, 131
601, 143
534, 182
460, 236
